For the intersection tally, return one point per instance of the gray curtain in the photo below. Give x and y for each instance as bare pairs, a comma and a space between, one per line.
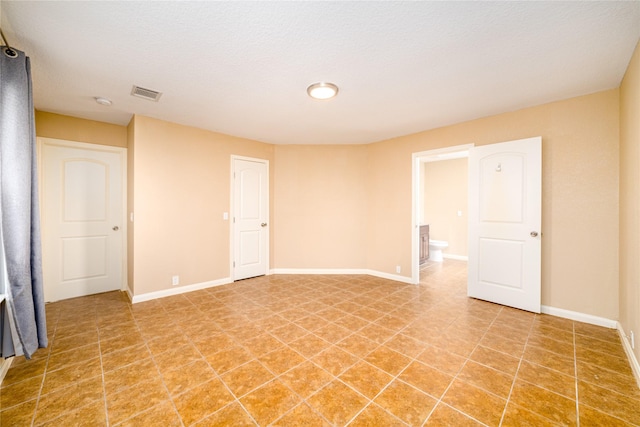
20, 255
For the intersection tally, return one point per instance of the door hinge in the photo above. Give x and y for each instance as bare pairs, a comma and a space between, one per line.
234, 264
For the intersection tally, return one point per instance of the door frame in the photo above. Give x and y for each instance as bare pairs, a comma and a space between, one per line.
122, 152
232, 228
416, 185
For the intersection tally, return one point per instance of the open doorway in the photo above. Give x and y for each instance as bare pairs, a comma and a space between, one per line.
439, 201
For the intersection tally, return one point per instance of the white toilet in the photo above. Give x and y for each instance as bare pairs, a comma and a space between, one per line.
435, 249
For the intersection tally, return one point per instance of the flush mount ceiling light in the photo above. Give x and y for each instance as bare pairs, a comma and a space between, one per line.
103, 101
322, 90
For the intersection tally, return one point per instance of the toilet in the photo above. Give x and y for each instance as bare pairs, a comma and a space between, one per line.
435, 249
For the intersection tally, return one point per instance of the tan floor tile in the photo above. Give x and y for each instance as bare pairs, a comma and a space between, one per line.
281, 360
553, 333
374, 415
30, 369
426, 378
120, 342
489, 379
187, 376
306, 379
64, 343
592, 417
352, 323
309, 345
597, 332
93, 414
262, 345
556, 322
550, 360
495, 359
311, 323
231, 415
624, 384
406, 402
357, 345
60, 360
121, 358
229, 358
302, 415
269, 402
77, 395
288, 333
247, 377
406, 345
332, 332
517, 416
161, 344
127, 376
609, 347
475, 402
366, 378
609, 402
604, 360
442, 360
548, 379
19, 392
565, 349
137, 398
376, 333
388, 360
182, 355
444, 415
164, 414
202, 401
63, 377
334, 360
18, 415
504, 345
337, 402
543, 402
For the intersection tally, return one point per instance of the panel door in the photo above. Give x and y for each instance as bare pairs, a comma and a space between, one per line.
82, 211
504, 223
251, 218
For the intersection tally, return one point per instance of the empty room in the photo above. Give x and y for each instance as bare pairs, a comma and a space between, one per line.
319, 213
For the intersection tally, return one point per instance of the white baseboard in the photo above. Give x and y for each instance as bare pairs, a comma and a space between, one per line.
5, 364
633, 360
580, 317
458, 257
178, 290
368, 272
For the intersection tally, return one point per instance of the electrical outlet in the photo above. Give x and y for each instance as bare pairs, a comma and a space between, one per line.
175, 280
398, 269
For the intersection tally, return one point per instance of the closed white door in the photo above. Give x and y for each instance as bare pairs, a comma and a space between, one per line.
250, 218
504, 223
82, 218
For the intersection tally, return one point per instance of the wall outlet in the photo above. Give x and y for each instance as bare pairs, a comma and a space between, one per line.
175, 280
398, 269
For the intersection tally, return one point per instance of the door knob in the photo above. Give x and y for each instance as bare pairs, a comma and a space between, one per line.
264, 224
534, 234
115, 228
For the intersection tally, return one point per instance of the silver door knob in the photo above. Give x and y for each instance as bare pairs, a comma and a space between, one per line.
534, 234
264, 224
115, 228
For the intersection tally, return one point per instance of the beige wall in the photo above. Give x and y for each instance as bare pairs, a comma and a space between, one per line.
57, 126
445, 193
630, 200
181, 185
580, 195
320, 206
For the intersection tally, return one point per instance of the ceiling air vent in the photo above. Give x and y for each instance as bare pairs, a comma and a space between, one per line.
148, 94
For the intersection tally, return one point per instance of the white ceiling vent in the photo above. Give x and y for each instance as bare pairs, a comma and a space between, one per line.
148, 94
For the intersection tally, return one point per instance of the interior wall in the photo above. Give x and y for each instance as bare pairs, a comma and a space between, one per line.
445, 193
320, 214
580, 155
630, 200
182, 185
58, 126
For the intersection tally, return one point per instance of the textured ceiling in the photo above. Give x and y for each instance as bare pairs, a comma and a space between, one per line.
242, 68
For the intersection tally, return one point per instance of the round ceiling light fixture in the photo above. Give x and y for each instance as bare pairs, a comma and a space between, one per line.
103, 101
322, 90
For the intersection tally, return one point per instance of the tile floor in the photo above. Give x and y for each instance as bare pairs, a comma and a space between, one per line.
319, 350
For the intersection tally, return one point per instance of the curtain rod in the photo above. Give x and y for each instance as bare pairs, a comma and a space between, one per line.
8, 50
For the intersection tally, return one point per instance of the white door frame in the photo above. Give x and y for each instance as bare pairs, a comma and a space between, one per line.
122, 152
232, 213
416, 160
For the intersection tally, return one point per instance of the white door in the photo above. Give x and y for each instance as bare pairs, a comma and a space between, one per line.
504, 223
82, 218
250, 217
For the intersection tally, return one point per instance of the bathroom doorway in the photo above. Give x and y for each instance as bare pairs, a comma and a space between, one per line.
440, 200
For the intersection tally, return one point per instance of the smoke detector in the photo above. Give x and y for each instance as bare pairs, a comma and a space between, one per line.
148, 94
